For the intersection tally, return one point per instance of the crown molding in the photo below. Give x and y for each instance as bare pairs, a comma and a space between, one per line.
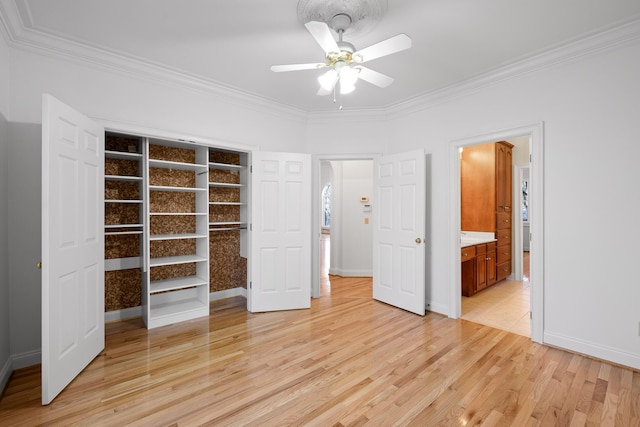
19, 36
592, 44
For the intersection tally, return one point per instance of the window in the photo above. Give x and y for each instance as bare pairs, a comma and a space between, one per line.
326, 206
525, 201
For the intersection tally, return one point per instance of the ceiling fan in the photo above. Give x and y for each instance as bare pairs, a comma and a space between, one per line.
342, 58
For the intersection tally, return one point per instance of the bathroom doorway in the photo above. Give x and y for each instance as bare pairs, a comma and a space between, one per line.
536, 222
506, 304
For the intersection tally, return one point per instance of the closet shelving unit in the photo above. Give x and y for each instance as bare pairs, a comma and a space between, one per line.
227, 192
124, 220
177, 240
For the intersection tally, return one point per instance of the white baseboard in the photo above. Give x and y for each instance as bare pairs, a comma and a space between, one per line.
350, 273
5, 374
29, 358
125, 313
594, 350
437, 308
228, 293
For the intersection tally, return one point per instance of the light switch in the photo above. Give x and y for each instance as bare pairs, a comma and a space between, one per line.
366, 220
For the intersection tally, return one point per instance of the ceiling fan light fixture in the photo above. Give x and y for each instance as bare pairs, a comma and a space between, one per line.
346, 87
328, 79
348, 76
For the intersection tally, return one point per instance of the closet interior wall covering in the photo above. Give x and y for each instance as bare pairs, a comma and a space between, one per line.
228, 270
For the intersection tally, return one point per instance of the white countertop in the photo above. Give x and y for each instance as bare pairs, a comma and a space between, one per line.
470, 238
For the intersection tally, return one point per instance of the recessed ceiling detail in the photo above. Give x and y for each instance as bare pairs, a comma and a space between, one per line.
365, 14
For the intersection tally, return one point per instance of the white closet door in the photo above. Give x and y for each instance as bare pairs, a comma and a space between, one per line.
399, 231
72, 244
281, 232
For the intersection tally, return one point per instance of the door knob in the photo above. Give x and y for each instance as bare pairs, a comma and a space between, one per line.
418, 240
39, 265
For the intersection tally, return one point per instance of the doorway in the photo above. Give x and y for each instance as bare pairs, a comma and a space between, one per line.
341, 221
536, 223
506, 304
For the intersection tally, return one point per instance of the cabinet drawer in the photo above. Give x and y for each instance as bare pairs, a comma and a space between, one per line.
504, 237
504, 220
491, 246
504, 270
504, 254
467, 253
481, 249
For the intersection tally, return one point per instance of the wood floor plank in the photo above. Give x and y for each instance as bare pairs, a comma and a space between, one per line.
347, 361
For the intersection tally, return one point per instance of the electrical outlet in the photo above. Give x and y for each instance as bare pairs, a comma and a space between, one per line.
366, 220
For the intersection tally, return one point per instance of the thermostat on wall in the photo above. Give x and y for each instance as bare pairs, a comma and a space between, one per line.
364, 199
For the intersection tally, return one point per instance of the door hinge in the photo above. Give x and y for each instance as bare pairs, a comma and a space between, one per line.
529, 158
250, 227
530, 316
250, 285
251, 169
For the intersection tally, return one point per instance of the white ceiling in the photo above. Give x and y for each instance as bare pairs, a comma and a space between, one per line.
232, 43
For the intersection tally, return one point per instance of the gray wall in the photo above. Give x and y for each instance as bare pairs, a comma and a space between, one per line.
5, 368
24, 191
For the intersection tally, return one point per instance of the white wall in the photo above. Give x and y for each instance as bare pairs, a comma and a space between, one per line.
5, 335
5, 81
351, 238
24, 237
146, 102
589, 107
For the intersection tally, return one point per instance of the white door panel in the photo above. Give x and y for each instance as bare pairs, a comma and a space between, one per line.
72, 244
399, 230
281, 232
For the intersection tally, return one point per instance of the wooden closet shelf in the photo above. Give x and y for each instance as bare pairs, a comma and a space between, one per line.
177, 283
225, 185
176, 236
180, 259
167, 164
122, 201
225, 166
227, 203
122, 155
177, 213
177, 189
125, 178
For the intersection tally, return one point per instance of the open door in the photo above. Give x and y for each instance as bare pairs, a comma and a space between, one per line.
281, 232
72, 244
399, 230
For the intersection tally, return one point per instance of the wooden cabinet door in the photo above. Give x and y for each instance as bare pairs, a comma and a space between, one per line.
504, 177
508, 179
481, 272
491, 266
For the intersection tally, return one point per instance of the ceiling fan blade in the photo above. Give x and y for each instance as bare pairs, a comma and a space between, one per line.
386, 47
296, 67
374, 77
320, 31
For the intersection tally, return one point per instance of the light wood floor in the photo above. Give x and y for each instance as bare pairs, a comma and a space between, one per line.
504, 305
348, 360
